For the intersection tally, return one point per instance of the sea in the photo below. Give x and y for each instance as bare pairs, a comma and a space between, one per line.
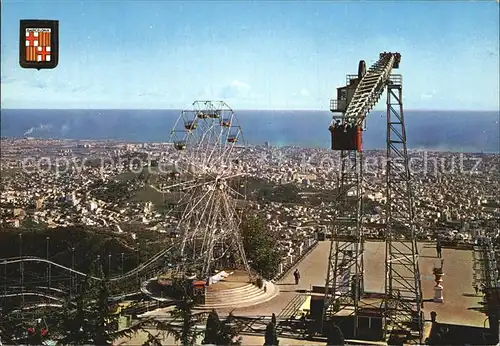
457, 131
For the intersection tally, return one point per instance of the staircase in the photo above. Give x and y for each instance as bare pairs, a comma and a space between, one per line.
244, 296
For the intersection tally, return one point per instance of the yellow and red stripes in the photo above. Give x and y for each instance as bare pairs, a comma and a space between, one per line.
44, 40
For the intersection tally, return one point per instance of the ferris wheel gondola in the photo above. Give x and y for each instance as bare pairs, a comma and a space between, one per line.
211, 187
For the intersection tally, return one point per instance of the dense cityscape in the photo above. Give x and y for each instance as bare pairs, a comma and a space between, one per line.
63, 183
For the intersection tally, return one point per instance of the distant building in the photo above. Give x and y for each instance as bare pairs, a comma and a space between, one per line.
147, 207
19, 213
93, 205
71, 199
39, 203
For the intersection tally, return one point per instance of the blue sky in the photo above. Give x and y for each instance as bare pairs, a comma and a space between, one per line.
258, 55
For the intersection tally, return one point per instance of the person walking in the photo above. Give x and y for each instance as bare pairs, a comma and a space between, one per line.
296, 275
438, 248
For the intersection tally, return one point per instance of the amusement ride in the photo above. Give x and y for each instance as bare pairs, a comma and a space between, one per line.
208, 185
398, 310
211, 188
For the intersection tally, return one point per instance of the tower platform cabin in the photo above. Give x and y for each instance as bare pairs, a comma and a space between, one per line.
346, 134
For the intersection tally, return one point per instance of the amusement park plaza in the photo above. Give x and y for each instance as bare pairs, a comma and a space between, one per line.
461, 305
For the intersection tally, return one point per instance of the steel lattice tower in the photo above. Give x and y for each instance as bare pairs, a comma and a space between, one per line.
346, 248
403, 292
345, 280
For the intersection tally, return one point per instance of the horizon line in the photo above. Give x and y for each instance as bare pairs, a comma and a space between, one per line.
410, 148
247, 109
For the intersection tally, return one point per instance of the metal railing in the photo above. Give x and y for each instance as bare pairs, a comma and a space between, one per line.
396, 79
349, 78
334, 105
292, 260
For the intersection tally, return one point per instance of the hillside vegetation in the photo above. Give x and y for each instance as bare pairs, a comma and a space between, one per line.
87, 243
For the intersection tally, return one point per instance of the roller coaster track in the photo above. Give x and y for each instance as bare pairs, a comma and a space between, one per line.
135, 271
148, 270
32, 293
371, 87
50, 293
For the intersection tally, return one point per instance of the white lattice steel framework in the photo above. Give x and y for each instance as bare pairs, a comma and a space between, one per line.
403, 295
206, 138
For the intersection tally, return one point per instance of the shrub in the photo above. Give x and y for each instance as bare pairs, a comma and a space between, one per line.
260, 246
259, 282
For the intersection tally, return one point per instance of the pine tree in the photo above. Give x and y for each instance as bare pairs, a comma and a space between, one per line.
72, 323
185, 315
228, 332
153, 340
212, 328
271, 338
334, 335
102, 320
189, 321
88, 320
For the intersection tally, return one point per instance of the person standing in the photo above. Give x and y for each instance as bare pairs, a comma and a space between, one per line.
296, 275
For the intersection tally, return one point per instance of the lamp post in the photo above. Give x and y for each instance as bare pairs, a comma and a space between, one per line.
122, 254
138, 253
109, 265
5, 274
48, 264
21, 267
73, 279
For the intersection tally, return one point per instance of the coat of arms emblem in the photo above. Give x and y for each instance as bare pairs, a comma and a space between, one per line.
39, 44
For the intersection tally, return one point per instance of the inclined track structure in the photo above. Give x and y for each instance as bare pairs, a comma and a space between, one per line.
345, 282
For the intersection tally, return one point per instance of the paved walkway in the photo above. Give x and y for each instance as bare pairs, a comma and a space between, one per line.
460, 304
312, 270
458, 308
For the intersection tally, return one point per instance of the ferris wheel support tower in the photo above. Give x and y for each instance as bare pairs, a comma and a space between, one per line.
400, 311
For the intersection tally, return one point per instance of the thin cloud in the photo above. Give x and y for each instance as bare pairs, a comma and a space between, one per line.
6, 79
236, 89
428, 95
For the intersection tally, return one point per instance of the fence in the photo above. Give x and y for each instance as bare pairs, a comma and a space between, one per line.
304, 249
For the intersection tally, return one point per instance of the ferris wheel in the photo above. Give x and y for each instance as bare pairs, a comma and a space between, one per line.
211, 183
